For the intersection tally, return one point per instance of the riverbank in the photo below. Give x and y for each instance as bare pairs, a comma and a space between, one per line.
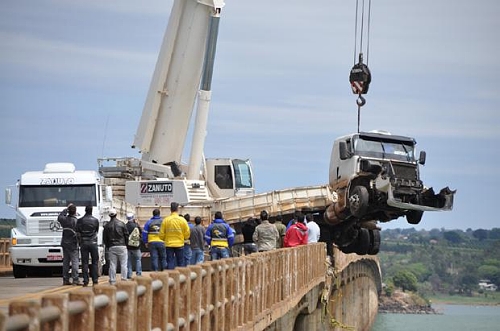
411, 303
404, 303
484, 299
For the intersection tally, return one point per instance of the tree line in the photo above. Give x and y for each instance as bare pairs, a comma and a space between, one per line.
440, 261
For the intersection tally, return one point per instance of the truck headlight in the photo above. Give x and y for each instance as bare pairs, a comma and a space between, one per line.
16, 241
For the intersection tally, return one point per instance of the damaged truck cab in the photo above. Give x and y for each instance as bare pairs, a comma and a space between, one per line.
376, 178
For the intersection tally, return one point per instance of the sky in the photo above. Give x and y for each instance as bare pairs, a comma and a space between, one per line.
74, 77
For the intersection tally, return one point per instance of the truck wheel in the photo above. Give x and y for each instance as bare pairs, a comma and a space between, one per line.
19, 271
374, 242
414, 216
363, 242
358, 201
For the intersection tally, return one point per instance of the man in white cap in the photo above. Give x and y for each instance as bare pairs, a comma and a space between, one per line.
115, 238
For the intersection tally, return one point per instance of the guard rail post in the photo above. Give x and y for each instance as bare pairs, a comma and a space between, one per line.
127, 309
29, 308
81, 310
249, 309
160, 310
61, 301
106, 317
196, 301
144, 304
218, 295
173, 292
184, 302
227, 270
206, 295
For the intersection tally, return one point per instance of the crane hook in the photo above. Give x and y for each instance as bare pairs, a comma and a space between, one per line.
360, 101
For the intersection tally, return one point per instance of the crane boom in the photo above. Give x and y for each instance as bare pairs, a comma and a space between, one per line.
164, 124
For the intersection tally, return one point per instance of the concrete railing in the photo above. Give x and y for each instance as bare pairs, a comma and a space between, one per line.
4, 253
245, 293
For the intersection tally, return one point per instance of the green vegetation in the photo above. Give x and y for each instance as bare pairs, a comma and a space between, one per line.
442, 265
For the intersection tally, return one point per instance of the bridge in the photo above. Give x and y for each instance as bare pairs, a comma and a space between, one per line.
299, 288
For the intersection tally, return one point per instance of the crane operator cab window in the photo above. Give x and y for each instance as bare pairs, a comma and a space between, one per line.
223, 177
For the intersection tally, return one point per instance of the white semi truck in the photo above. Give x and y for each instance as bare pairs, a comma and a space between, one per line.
40, 197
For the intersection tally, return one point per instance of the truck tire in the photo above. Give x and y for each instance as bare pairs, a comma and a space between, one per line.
374, 242
358, 201
19, 271
363, 242
414, 216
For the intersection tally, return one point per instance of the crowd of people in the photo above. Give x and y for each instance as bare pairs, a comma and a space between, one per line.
173, 241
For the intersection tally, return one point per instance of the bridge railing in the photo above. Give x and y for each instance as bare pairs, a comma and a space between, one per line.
4, 253
245, 293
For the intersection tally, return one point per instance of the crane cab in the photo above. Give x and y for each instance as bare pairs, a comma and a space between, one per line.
228, 177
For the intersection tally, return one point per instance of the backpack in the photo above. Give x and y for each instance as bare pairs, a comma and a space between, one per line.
134, 239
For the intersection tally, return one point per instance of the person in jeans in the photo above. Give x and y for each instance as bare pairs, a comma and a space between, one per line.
69, 244
197, 242
134, 252
150, 237
248, 230
115, 238
188, 252
87, 228
220, 237
174, 231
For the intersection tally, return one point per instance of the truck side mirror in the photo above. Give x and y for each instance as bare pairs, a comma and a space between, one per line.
8, 196
421, 158
344, 153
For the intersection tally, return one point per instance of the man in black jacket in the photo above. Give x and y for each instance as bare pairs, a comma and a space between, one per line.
87, 228
115, 238
69, 244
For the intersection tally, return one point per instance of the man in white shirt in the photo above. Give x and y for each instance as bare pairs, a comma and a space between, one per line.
313, 231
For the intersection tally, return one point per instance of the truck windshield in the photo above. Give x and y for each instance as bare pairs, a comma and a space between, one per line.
57, 196
243, 174
393, 150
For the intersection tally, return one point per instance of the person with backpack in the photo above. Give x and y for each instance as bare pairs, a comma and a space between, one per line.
69, 244
134, 246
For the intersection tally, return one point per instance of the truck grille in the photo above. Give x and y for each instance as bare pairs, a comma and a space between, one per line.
43, 227
405, 171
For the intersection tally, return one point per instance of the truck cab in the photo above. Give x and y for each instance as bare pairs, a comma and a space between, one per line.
41, 196
376, 177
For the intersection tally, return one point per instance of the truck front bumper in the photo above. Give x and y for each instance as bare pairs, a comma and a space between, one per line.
443, 201
37, 256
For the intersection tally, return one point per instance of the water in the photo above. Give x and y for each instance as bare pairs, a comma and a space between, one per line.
454, 317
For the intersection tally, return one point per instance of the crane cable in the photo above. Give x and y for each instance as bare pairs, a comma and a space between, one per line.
360, 76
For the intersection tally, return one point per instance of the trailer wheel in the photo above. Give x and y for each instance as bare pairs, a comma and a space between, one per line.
19, 271
358, 201
414, 216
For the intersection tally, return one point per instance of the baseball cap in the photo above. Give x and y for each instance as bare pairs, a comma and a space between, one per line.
112, 212
130, 216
